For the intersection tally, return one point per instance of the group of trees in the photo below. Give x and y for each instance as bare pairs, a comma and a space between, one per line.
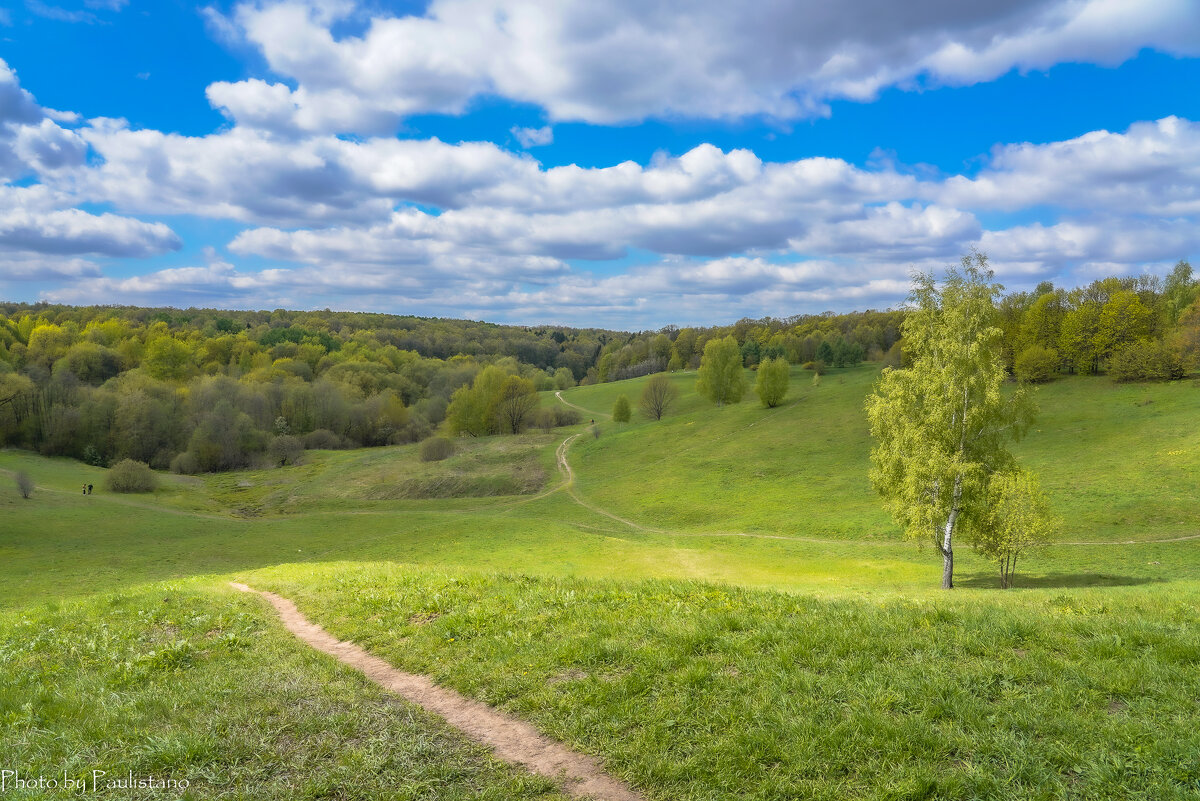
204, 390
1135, 329
211, 390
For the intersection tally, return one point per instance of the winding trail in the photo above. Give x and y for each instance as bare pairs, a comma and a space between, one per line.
511, 739
565, 402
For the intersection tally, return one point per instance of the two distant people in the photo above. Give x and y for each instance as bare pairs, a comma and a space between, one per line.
87, 489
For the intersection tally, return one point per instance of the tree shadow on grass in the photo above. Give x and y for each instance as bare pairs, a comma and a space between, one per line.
991, 581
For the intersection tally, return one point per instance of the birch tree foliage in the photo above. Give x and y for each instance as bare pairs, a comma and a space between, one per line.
941, 427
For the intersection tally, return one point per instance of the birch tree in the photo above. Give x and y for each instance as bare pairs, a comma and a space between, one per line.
941, 427
1019, 519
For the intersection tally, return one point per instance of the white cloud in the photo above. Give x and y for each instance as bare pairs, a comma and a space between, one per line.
473, 229
626, 60
38, 267
1153, 168
534, 137
30, 223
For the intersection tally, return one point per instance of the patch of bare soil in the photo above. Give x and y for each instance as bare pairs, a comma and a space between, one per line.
511, 739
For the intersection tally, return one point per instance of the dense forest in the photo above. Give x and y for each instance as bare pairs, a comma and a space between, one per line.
201, 390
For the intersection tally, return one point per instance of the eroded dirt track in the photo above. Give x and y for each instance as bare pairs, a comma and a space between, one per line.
511, 739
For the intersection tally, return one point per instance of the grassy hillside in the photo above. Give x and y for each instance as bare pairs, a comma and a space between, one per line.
633, 613
695, 691
191, 681
1118, 461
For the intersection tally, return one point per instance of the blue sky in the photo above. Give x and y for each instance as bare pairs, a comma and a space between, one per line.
627, 164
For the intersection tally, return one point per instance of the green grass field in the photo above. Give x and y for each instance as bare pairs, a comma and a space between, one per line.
717, 606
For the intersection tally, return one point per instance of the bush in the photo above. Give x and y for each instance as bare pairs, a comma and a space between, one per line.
1146, 361
185, 464
621, 411
817, 366
436, 449
551, 417
566, 417
24, 484
323, 440
286, 449
1036, 364
130, 476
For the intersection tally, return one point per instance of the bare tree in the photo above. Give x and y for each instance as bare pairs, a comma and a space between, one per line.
658, 396
24, 484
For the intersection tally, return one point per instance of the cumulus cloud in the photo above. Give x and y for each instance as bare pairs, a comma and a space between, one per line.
472, 228
1152, 168
38, 267
625, 60
533, 137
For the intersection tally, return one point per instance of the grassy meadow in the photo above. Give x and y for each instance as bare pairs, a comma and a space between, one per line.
717, 607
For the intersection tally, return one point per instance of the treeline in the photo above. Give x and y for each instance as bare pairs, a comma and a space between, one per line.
203, 390
1134, 329
833, 340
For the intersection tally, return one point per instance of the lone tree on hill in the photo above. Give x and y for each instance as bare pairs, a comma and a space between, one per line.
1019, 518
24, 484
771, 384
720, 378
657, 396
941, 426
621, 412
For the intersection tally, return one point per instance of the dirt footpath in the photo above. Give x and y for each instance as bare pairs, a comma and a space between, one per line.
511, 739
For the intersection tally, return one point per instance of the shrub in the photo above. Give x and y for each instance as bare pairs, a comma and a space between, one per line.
24, 484
435, 449
323, 440
128, 475
621, 412
185, 464
566, 417
817, 366
1146, 361
1036, 364
286, 449
553, 417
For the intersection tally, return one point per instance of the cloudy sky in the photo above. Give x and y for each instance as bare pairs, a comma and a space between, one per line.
627, 163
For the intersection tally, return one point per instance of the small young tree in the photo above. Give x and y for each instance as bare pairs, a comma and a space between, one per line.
771, 384
720, 378
621, 413
657, 397
24, 484
942, 425
1019, 518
